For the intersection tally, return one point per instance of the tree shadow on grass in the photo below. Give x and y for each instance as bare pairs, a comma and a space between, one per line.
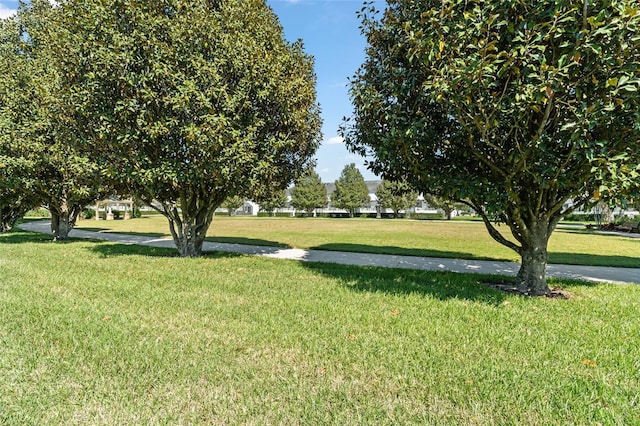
554, 257
403, 251
439, 285
109, 231
18, 236
111, 249
226, 240
247, 241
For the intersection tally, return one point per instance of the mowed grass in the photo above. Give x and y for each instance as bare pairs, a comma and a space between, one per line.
450, 239
98, 333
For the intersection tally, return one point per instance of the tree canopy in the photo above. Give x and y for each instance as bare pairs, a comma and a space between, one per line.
38, 127
521, 109
16, 172
309, 193
351, 191
190, 102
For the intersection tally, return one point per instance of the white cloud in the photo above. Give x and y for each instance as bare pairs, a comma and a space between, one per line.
5, 12
336, 140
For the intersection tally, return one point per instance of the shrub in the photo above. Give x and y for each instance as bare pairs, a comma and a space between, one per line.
38, 212
625, 219
580, 217
88, 213
275, 214
427, 216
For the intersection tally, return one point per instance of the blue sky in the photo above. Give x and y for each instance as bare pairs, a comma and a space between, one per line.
329, 29
7, 7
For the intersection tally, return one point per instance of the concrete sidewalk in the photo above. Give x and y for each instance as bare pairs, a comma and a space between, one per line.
586, 273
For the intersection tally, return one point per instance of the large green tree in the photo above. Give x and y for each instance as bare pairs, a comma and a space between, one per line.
515, 107
396, 195
309, 193
192, 102
16, 172
38, 127
351, 191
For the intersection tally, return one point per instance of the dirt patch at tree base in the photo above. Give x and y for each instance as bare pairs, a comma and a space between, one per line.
507, 286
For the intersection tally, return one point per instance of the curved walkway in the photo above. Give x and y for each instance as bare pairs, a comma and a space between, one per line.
585, 273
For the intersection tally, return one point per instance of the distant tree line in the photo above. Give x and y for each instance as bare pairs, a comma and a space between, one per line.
351, 194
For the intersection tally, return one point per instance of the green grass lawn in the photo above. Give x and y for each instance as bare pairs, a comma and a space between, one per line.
451, 239
99, 333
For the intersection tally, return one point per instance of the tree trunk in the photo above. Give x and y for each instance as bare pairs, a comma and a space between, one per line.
190, 229
6, 225
61, 225
8, 219
447, 213
190, 243
531, 278
533, 236
63, 219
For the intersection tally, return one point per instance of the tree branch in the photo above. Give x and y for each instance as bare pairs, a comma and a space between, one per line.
545, 118
495, 234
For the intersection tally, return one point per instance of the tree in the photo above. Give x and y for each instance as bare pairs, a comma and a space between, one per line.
309, 193
515, 108
16, 194
396, 195
38, 127
351, 190
446, 205
270, 202
191, 102
233, 203
16, 172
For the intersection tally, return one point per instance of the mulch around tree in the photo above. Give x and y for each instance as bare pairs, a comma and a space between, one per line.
509, 286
